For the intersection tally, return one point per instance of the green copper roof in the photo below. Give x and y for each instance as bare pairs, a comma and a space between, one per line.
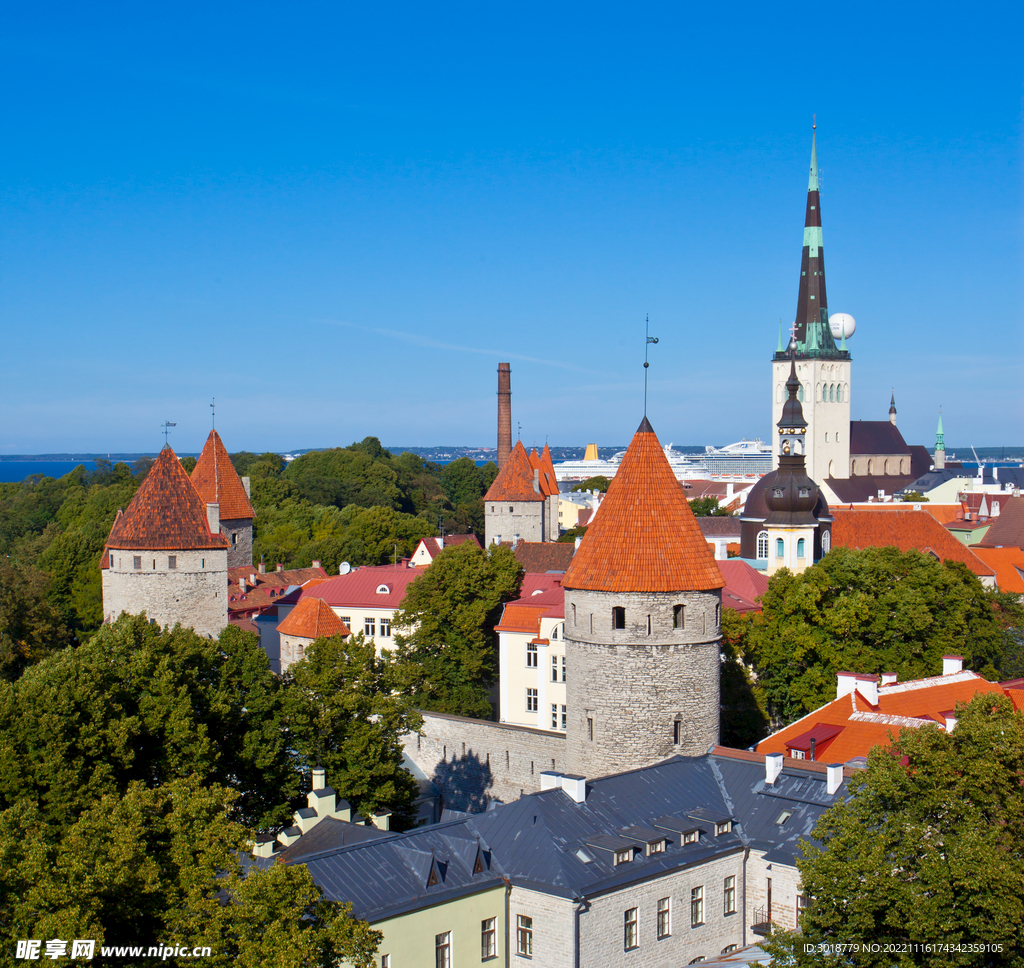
939, 435
812, 182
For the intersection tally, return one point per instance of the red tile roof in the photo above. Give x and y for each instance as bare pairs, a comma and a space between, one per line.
217, 482
645, 537
360, 587
166, 514
524, 614
1008, 564
515, 480
312, 618
542, 556
546, 470
744, 585
264, 592
863, 726
434, 546
901, 529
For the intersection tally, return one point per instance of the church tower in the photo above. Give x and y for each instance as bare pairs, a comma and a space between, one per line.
218, 484
822, 367
791, 496
939, 461
642, 614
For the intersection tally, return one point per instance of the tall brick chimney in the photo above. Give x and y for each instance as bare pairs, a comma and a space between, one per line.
504, 413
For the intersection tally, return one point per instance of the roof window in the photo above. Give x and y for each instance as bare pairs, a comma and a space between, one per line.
783, 817
383, 590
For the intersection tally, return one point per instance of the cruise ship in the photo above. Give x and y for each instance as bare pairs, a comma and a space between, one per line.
743, 457
591, 465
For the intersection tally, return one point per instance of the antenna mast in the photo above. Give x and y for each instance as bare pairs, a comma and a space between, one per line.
167, 429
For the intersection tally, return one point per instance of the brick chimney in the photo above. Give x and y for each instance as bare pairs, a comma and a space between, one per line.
952, 664
504, 413
280, 567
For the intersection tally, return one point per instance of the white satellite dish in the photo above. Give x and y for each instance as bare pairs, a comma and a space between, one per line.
842, 324
344, 568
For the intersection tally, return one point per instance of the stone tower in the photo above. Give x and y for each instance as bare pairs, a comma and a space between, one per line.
791, 496
516, 506
165, 555
218, 484
823, 369
642, 612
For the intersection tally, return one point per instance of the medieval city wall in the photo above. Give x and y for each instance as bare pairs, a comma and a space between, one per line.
526, 519
239, 535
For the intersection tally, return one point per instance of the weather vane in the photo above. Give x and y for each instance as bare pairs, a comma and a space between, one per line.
650, 339
213, 413
167, 429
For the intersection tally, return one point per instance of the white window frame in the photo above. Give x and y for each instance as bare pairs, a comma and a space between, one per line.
664, 920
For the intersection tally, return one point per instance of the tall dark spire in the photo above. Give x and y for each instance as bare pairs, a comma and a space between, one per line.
811, 330
792, 496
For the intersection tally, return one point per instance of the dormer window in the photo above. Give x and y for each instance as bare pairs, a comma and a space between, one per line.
383, 590
691, 836
723, 827
804, 492
777, 492
623, 856
656, 847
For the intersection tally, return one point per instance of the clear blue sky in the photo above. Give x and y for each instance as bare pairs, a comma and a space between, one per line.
339, 218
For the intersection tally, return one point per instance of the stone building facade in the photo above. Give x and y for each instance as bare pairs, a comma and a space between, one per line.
165, 555
522, 503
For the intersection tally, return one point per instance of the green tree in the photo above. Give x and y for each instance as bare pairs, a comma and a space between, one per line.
30, 627
573, 533
343, 711
599, 483
869, 611
709, 506
915, 497
446, 646
743, 720
927, 849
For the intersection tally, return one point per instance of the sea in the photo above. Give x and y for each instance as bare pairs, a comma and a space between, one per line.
18, 470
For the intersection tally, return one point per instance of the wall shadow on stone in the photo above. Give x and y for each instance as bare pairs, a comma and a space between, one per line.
464, 782
743, 722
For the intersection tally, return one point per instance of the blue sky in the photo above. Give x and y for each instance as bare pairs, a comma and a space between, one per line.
337, 219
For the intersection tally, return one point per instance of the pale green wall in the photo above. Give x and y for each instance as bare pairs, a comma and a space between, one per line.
409, 938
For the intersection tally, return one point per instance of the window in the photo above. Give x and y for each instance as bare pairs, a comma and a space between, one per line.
531, 655
531, 700
590, 729
137, 561
677, 732
678, 616
648, 624
629, 939
623, 856
573, 613
723, 828
554, 668
780, 548
511, 509
696, 906
802, 904
826, 542
385, 961
383, 590
524, 936
488, 938
565, 720
729, 895
729, 949
691, 836
443, 950
385, 627
554, 715
762, 544
172, 561
801, 546
563, 668
798, 754
783, 817
618, 617
664, 918
202, 562
369, 626
656, 847
347, 619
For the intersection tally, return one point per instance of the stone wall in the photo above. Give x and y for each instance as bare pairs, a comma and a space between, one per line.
194, 592
785, 888
553, 925
627, 688
239, 535
526, 519
473, 761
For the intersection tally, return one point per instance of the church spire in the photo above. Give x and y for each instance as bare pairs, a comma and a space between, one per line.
892, 408
811, 329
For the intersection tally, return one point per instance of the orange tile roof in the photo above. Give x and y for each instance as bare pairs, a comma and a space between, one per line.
217, 482
645, 537
903, 529
312, 618
900, 706
166, 514
515, 480
548, 481
1007, 563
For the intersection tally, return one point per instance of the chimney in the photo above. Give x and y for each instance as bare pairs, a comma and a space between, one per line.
316, 563
576, 786
263, 567
867, 686
577, 543
241, 585
245, 484
833, 778
813, 744
772, 767
319, 778
952, 664
382, 819
252, 579
846, 682
950, 721
280, 567
889, 678
213, 518
550, 780
504, 413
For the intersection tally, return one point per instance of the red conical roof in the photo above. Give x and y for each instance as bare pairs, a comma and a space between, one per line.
217, 482
166, 514
515, 480
312, 618
645, 537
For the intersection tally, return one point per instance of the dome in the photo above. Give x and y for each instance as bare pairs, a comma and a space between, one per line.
756, 505
842, 324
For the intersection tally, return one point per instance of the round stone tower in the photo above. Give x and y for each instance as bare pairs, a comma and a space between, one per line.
643, 599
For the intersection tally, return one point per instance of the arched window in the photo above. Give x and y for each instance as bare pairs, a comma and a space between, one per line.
826, 542
800, 393
762, 544
800, 545
839, 393
780, 548
832, 393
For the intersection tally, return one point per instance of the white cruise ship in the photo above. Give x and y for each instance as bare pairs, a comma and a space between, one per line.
743, 457
591, 465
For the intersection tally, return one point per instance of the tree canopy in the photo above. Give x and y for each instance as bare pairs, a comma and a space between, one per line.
598, 483
927, 850
708, 506
446, 649
872, 611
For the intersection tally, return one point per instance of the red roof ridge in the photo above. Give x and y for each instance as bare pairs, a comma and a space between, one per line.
515, 481
312, 618
645, 537
965, 675
888, 719
217, 482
